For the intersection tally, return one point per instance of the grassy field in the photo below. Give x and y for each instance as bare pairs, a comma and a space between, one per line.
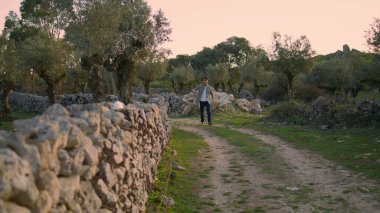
6, 123
356, 149
181, 185
370, 95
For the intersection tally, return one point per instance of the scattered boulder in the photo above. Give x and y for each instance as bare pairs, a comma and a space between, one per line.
245, 94
252, 106
167, 201
222, 102
178, 167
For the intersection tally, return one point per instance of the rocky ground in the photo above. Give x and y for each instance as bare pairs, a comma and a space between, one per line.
299, 181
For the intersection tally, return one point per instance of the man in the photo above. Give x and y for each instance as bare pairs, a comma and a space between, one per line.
205, 96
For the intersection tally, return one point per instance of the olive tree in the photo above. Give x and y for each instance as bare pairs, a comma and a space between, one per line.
52, 16
373, 41
147, 72
218, 75
373, 36
182, 76
48, 58
332, 75
291, 57
254, 71
9, 72
141, 35
94, 32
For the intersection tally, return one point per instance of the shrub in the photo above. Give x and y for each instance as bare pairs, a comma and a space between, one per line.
288, 112
274, 93
307, 93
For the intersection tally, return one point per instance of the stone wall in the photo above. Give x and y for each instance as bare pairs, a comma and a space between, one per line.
34, 103
83, 158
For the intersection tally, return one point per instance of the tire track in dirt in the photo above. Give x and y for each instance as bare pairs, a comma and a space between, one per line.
302, 181
327, 178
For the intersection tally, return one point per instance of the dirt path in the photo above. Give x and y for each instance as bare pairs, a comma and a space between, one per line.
301, 182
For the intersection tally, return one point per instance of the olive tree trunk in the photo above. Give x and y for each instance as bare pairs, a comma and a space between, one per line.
125, 75
147, 87
5, 99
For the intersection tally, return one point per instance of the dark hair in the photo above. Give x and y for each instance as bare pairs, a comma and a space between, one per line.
205, 78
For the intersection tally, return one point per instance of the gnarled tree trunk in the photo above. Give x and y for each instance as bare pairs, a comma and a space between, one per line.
125, 75
147, 87
173, 85
96, 83
51, 85
290, 83
8, 87
51, 92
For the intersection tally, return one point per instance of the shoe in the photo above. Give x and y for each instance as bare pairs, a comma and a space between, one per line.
210, 124
202, 123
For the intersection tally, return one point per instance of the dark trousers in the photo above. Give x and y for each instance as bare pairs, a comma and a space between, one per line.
206, 104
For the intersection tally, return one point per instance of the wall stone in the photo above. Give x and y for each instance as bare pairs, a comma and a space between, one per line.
82, 158
34, 103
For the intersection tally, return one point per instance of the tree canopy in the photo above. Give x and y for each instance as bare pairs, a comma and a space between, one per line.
291, 57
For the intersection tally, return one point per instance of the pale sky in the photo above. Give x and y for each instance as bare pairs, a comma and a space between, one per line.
329, 24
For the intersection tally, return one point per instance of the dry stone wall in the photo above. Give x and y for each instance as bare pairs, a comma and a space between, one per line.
34, 103
83, 158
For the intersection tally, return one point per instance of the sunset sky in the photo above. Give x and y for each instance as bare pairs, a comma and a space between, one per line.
203, 23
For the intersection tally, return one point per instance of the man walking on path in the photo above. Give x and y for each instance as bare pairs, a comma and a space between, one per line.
205, 96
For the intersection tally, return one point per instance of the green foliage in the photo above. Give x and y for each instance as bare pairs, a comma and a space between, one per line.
48, 58
43, 54
234, 51
306, 92
94, 28
179, 60
150, 71
332, 75
217, 74
9, 72
276, 91
373, 35
182, 76
18, 30
288, 112
254, 71
51, 16
147, 72
291, 57
205, 57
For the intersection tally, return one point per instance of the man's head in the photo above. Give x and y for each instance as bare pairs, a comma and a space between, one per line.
205, 81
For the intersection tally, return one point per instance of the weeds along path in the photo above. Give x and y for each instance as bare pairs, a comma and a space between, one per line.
327, 178
275, 177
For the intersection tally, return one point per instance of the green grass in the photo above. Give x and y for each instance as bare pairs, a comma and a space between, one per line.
250, 146
357, 149
370, 95
6, 123
182, 185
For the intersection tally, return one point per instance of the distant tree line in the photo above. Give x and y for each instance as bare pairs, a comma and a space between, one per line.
289, 68
106, 47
